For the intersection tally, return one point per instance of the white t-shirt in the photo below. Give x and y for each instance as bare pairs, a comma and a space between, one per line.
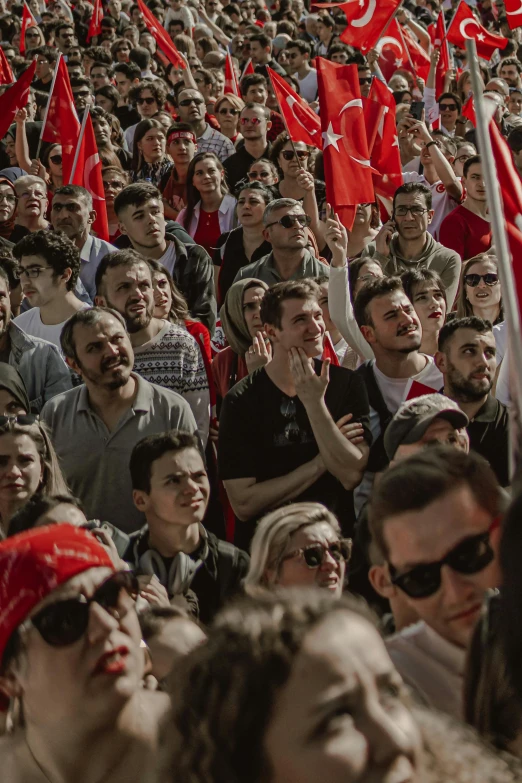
31, 323
168, 259
308, 86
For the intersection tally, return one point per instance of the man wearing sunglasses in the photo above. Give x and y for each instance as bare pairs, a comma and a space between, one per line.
435, 516
468, 363
68, 615
254, 125
467, 229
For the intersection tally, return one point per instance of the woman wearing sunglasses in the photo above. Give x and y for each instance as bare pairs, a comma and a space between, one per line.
263, 171
28, 464
480, 289
70, 654
148, 97
299, 545
227, 110
149, 159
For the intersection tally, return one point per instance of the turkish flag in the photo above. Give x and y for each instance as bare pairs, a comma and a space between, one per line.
302, 123
418, 389
61, 124
386, 157
249, 68
15, 98
231, 84
513, 13
468, 110
96, 19
417, 55
465, 25
393, 51
440, 41
28, 20
366, 20
346, 160
373, 112
6, 72
88, 174
160, 36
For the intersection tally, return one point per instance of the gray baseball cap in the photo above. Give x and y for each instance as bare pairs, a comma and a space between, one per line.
415, 416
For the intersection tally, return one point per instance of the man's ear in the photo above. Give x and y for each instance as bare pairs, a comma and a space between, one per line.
266, 235
122, 228
368, 333
380, 581
92, 216
440, 361
9, 685
100, 301
75, 367
141, 499
430, 215
271, 331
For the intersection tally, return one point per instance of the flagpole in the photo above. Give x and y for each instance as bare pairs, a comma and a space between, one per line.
79, 144
500, 240
55, 74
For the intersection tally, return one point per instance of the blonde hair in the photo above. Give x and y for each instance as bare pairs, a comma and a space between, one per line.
275, 530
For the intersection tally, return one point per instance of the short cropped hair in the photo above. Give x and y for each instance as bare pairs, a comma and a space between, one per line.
272, 302
152, 448
276, 205
250, 80
87, 317
135, 195
381, 286
75, 191
56, 249
126, 257
411, 188
479, 325
469, 163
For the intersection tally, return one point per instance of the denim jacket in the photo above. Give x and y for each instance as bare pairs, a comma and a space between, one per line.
43, 370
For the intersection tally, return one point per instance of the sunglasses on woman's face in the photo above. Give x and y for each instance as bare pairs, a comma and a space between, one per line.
232, 112
258, 174
315, 554
473, 280
290, 154
25, 419
64, 622
148, 101
56, 159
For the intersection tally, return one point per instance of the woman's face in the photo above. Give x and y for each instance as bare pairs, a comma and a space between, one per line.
21, 469
228, 118
162, 295
146, 104
105, 103
363, 214
407, 98
250, 208
113, 184
287, 160
207, 176
251, 309
152, 145
464, 153
341, 716
263, 173
200, 52
294, 572
7, 202
182, 151
430, 306
55, 161
175, 75
367, 272
483, 295
10, 149
9, 405
123, 51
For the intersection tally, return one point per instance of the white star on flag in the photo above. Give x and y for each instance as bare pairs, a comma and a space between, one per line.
398, 63
480, 37
330, 138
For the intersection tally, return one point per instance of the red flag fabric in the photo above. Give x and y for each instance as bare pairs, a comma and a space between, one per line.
468, 110
160, 36
249, 68
6, 72
366, 20
348, 173
393, 52
373, 113
302, 123
418, 389
440, 41
61, 123
88, 174
417, 55
231, 83
465, 25
513, 13
386, 157
15, 98
96, 19
28, 20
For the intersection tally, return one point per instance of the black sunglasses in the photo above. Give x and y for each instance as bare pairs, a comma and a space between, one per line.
315, 554
148, 101
64, 622
290, 154
233, 112
490, 278
288, 221
448, 106
57, 159
25, 419
469, 557
366, 80
189, 101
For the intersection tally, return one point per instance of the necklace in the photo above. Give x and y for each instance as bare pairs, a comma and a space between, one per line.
103, 779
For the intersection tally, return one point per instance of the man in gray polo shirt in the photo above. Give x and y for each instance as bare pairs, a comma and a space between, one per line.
95, 426
285, 224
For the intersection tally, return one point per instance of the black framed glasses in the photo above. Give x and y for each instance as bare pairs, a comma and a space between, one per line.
148, 101
288, 221
258, 174
290, 154
64, 622
463, 158
25, 419
490, 278
8, 197
189, 101
314, 555
448, 107
415, 211
365, 80
33, 272
469, 557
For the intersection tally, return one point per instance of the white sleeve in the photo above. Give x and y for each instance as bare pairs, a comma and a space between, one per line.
502, 387
341, 312
430, 99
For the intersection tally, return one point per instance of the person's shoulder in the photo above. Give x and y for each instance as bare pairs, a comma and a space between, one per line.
178, 333
12, 749
64, 402
247, 387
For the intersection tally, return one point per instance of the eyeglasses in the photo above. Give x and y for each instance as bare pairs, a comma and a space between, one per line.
463, 158
24, 419
250, 121
232, 112
56, 159
490, 278
32, 35
448, 107
7, 197
148, 101
33, 194
415, 211
33, 272
188, 101
115, 184
290, 154
469, 557
64, 622
315, 554
366, 80
288, 221
258, 174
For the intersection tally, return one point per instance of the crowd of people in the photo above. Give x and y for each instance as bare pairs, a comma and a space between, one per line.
258, 521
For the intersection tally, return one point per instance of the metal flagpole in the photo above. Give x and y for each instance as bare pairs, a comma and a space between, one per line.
79, 144
500, 239
48, 103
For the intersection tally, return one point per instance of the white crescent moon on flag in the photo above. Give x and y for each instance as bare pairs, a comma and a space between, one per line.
391, 42
464, 24
291, 100
351, 104
91, 162
515, 13
363, 20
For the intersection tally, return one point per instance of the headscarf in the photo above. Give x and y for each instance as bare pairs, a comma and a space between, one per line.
34, 563
6, 228
232, 316
11, 381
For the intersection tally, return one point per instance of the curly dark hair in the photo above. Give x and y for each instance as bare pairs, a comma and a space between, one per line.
56, 249
156, 87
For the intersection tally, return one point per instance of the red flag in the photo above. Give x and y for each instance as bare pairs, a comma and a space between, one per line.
513, 13
418, 57
249, 68
393, 52
28, 20
6, 72
418, 389
440, 41
468, 110
88, 174
373, 112
61, 123
160, 36
231, 83
302, 123
15, 98
366, 20
346, 160
386, 157
96, 19
465, 25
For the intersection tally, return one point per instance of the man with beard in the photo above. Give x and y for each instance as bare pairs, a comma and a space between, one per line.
467, 360
95, 426
164, 353
72, 212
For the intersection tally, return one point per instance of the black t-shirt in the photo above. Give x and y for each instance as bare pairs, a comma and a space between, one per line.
41, 87
237, 165
230, 256
489, 436
252, 440
127, 115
